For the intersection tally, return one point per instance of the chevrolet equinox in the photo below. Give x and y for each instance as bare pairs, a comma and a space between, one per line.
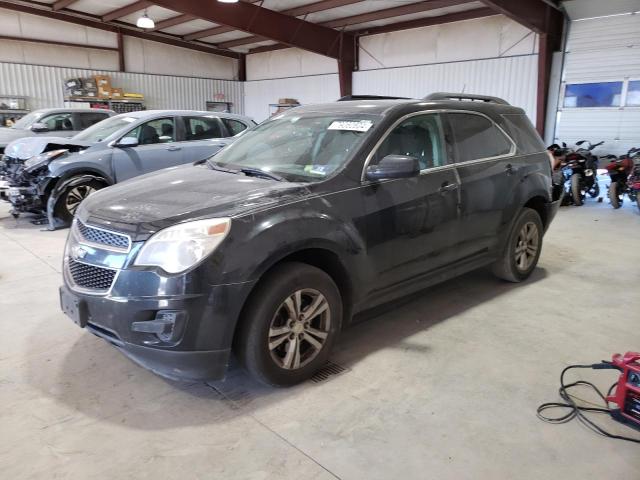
268, 248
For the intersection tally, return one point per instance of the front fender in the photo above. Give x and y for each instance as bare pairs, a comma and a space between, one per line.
59, 188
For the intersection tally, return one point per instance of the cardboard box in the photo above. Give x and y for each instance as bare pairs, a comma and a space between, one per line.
288, 101
117, 93
103, 81
104, 92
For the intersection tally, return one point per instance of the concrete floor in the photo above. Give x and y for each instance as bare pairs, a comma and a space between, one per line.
444, 385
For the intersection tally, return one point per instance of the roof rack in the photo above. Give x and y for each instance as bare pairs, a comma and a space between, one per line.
370, 97
465, 96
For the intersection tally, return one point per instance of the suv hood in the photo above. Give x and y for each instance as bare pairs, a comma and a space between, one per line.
7, 135
166, 197
25, 148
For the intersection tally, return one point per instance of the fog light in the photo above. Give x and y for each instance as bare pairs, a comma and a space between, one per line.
168, 325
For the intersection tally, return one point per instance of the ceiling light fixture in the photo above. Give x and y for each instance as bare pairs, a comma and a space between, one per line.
228, 1
145, 22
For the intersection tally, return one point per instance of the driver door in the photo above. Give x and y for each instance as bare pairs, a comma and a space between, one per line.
157, 148
412, 224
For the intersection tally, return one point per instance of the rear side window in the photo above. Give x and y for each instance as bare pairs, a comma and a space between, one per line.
88, 119
203, 128
521, 130
476, 137
234, 126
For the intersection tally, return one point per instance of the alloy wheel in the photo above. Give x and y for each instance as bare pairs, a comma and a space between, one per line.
299, 329
527, 245
77, 195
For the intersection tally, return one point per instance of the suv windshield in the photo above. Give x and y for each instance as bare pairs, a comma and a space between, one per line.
297, 148
27, 120
104, 129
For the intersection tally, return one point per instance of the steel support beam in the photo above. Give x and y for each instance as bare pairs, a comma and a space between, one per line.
56, 42
121, 64
427, 22
95, 22
536, 15
264, 23
170, 22
292, 12
362, 18
60, 4
126, 10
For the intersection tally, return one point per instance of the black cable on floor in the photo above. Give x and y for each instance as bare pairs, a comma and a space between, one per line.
576, 411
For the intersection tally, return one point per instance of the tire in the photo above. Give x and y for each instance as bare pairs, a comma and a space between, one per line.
576, 190
511, 266
614, 197
266, 343
68, 201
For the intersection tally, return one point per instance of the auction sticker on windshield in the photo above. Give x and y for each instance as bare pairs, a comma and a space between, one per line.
351, 125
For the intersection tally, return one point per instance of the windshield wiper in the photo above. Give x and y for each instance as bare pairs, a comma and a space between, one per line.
216, 166
256, 172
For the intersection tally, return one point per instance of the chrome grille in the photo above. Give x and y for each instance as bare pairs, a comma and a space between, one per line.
99, 236
90, 276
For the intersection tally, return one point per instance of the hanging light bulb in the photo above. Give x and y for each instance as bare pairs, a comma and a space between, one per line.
228, 1
145, 22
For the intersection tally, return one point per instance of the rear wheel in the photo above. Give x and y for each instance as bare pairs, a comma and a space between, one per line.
68, 202
290, 324
615, 196
576, 190
523, 248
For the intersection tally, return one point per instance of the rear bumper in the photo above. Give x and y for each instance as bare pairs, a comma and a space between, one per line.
551, 210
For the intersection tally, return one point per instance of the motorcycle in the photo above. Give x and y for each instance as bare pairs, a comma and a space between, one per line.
624, 172
580, 170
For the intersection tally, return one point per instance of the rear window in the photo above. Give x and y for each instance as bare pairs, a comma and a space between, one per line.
476, 137
521, 130
234, 126
91, 118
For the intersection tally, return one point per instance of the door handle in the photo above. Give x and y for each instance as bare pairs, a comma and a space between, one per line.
174, 148
510, 169
448, 187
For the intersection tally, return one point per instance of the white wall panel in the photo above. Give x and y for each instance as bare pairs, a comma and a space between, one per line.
43, 86
17, 24
511, 78
289, 62
260, 93
145, 56
489, 37
599, 50
54, 55
141, 56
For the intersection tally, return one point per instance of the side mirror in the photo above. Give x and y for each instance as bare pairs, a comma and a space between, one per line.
394, 166
39, 127
127, 142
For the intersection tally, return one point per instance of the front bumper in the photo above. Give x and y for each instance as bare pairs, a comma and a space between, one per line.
200, 352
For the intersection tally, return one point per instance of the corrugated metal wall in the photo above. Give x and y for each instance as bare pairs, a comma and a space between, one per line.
311, 89
512, 78
602, 50
43, 85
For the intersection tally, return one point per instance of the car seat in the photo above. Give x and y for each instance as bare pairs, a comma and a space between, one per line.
148, 135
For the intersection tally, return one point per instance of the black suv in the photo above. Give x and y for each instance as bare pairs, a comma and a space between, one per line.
268, 248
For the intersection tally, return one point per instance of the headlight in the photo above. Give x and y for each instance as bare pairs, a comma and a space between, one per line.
40, 160
178, 248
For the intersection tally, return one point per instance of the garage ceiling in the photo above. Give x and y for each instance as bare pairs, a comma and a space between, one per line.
175, 22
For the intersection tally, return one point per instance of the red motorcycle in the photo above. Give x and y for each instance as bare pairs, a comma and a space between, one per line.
625, 177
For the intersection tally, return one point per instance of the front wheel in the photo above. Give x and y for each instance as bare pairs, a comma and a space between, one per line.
290, 324
576, 189
615, 195
523, 248
69, 200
